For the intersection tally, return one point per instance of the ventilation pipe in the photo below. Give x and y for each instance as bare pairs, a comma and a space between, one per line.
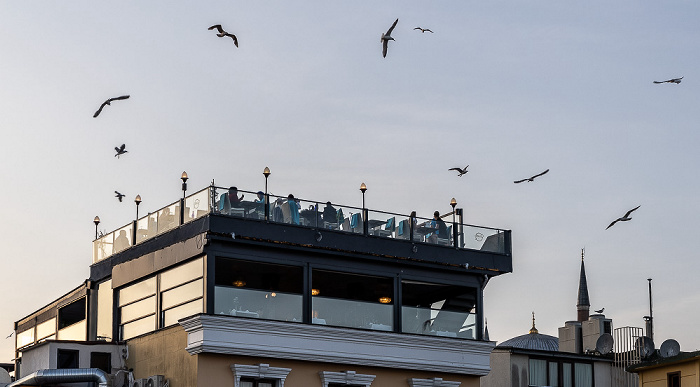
65, 375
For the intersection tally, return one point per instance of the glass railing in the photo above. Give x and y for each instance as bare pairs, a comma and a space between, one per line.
436, 322
352, 313
306, 213
270, 305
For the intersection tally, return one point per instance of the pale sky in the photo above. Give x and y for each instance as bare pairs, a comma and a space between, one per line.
509, 87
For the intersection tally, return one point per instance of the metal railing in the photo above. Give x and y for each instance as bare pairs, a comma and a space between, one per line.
449, 231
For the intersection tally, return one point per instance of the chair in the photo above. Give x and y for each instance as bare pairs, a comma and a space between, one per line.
403, 231
356, 223
445, 241
286, 213
388, 230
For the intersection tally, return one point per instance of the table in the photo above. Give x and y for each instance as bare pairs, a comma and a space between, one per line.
375, 222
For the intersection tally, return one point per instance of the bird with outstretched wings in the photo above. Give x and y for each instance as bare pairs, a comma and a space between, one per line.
624, 218
223, 33
423, 30
387, 37
674, 80
119, 196
120, 150
109, 102
461, 171
531, 178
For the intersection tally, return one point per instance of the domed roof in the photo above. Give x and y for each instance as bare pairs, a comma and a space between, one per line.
533, 340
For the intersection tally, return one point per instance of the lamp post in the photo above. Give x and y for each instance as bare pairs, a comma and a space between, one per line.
365, 227
96, 221
184, 183
137, 200
453, 203
267, 172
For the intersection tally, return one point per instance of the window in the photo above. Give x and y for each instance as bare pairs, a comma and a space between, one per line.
345, 379
67, 358
432, 382
101, 360
71, 313
137, 307
673, 379
104, 310
538, 372
258, 290
438, 309
559, 374
260, 375
352, 300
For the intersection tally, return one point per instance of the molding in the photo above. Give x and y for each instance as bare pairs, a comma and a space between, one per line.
346, 377
260, 371
432, 382
319, 343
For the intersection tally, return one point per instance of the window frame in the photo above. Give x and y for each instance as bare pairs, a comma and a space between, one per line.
346, 378
670, 379
259, 371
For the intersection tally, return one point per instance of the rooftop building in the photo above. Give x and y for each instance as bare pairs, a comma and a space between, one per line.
217, 289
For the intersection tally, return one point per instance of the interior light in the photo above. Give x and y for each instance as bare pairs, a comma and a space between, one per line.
315, 292
385, 300
239, 283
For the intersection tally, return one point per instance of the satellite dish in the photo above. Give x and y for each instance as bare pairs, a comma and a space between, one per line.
604, 344
644, 345
5, 376
669, 348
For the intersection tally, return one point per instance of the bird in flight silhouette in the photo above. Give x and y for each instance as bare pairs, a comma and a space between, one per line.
120, 150
531, 178
223, 33
387, 37
109, 102
119, 195
460, 170
624, 218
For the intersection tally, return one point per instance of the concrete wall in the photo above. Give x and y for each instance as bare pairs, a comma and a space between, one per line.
657, 377
215, 370
603, 374
163, 353
507, 370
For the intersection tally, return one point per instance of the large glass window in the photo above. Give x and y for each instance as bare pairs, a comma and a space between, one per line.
71, 313
46, 329
436, 309
352, 300
538, 372
67, 358
25, 337
583, 375
137, 306
258, 290
104, 310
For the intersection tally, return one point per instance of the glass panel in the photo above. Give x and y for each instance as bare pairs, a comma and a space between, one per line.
182, 293
138, 327
138, 309
553, 374
352, 300
137, 291
102, 247
382, 224
74, 332
197, 205
485, 239
168, 218
566, 375
271, 305
25, 338
441, 310
246, 204
171, 316
71, 313
538, 372
122, 238
246, 383
182, 274
104, 310
47, 328
583, 375
259, 276
146, 227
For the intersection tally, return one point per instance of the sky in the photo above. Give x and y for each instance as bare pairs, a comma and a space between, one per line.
510, 88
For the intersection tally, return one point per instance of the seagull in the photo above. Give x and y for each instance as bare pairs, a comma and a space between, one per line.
223, 33
119, 195
423, 30
387, 37
120, 150
108, 102
9, 335
460, 170
599, 311
531, 178
674, 80
624, 218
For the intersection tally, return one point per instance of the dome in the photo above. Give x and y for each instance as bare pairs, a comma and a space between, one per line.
536, 341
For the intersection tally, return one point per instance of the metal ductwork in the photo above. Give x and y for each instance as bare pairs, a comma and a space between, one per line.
65, 375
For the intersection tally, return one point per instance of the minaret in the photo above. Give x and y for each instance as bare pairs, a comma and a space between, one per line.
533, 329
583, 306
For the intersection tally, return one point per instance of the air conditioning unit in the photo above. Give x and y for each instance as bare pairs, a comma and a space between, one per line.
155, 381
140, 383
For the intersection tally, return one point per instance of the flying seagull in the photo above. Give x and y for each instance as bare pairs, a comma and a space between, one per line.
9, 336
108, 102
120, 150
423, 30
624, 218
531, 178
460, 170
119, 195
674, 80
387, 37
223, 33
599, 311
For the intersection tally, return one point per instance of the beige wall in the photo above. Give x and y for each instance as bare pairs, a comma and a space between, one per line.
163, 353
215, 370
657, 377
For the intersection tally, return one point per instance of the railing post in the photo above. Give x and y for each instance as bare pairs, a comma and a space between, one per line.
455, 234
267, 207
365, 223
133, 236
460, 213
410, 227
182, 211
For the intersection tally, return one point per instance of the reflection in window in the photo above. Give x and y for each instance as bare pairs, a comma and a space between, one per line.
437, 309
352, 300
258, 290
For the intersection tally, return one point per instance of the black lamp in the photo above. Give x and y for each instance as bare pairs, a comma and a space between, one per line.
96, 221
137, 200
363, 188
184, 183
453, 203
266, 172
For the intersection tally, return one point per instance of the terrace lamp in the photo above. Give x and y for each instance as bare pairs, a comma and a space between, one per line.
453, 203
137, 200
184, 183
266, 172
96, 221
363, 188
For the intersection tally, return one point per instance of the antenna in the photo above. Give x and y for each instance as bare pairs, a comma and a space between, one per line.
604, 344
644, 345
669, 348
